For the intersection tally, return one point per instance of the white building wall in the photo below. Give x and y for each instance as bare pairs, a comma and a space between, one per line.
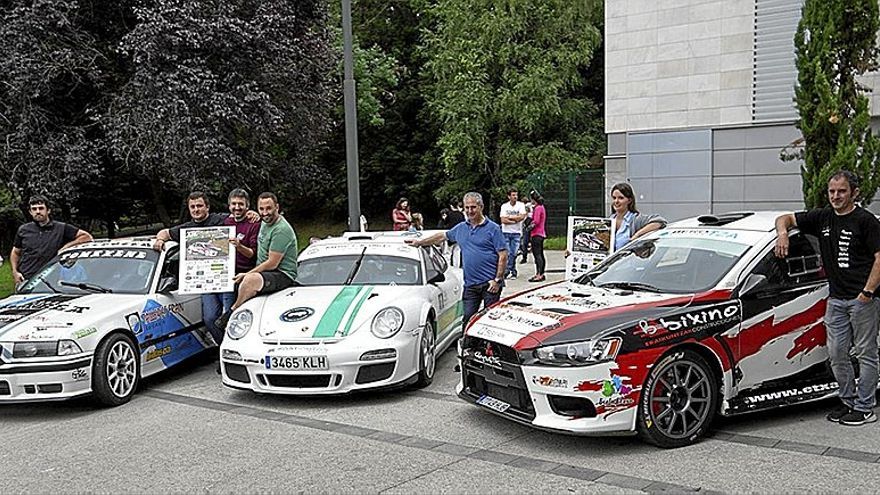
677, 63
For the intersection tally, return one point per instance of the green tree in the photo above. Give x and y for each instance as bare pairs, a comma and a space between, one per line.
511, 89
835, 43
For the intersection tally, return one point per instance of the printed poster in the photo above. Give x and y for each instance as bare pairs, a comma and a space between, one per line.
589, 241
207, 260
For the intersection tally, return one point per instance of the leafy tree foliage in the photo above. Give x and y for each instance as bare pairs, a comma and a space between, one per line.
222, 93
131, 100
835, 44
510, 89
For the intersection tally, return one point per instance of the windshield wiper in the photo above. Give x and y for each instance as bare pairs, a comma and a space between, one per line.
356, 267
631, 286
85, 286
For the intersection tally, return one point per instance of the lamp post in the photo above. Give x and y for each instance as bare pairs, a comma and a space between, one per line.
351, 144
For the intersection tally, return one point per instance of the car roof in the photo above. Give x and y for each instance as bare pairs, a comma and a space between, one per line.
388, 243
757, 221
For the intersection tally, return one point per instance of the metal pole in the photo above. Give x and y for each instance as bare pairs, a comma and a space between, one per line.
351, 144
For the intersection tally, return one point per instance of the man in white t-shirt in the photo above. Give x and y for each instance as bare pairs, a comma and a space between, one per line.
512, 215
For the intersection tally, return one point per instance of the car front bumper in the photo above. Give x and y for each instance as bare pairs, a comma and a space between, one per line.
353, 364
33, 380
588, 400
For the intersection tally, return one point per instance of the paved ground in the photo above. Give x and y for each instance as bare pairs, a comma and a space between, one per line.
184, 432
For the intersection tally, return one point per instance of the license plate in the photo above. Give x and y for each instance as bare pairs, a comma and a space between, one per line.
297, 363
493, 403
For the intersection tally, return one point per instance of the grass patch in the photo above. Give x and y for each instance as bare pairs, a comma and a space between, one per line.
555, 243
6, 283
305, 231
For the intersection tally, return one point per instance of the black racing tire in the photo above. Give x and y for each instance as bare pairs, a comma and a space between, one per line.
427, 355
115, 370
678, 401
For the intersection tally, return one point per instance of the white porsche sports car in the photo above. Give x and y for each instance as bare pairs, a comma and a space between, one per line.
96, 319
368, 311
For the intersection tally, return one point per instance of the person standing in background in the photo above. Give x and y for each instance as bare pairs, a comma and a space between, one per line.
39, 241
512, 214
537, 235
629, 224
401, 216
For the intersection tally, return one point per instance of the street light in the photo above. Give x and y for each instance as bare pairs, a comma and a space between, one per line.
350, 100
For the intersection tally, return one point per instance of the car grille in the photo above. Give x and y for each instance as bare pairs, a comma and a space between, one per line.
237, 372
374, 372
4, 388
501, 379
299, 381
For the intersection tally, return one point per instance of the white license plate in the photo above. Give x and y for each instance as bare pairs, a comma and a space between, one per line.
493, 403
297, 363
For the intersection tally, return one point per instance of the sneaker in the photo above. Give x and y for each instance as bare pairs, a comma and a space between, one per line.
523, 261
511, 276
222, 320
538, 278
837, 413
858, 418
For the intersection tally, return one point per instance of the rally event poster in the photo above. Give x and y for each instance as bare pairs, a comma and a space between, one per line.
207, 260
589, 241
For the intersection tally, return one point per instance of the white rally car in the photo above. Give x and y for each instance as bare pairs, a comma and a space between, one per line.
96, 319
369, 311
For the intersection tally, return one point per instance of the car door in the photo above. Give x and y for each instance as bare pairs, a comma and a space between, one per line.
780, 346
171, 327
448, 294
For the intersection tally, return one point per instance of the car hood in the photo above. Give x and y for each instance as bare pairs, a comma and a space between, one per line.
570, 312
326, 312
57, 316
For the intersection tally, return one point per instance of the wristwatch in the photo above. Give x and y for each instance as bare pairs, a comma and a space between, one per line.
498, 280
868, 294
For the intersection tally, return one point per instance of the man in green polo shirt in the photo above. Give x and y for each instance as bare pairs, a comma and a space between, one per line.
276, 257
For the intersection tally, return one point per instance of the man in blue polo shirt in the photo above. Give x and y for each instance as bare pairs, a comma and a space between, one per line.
483, 254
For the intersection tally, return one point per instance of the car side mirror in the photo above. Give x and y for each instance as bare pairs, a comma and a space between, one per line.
167, 284
753, 283
436, 279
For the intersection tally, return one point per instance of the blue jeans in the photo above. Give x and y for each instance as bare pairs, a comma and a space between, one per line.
213, 305
473, 295
512, 249
852, 325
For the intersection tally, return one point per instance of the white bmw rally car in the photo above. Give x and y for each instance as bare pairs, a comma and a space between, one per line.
369, 311
96, 319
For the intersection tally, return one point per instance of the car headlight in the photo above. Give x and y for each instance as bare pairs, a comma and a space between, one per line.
578, 353
43, 349
240, 324
67, 347
387, 322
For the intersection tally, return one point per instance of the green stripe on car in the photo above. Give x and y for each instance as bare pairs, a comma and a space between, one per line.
335, 312
357, 307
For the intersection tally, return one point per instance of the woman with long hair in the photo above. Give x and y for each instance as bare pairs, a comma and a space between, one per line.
538, 234
401, 216
628, 223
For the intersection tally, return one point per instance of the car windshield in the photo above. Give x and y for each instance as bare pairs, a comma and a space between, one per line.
668, 264
373, 270
88, 271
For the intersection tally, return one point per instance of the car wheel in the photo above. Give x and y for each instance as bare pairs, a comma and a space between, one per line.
427, 355
115, 370
678, 400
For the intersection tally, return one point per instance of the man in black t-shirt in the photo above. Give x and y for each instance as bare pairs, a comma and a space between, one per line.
849, 241
39, 241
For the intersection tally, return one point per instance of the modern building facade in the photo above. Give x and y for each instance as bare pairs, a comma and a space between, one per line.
699, 104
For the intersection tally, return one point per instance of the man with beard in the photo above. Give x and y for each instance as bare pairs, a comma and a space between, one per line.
39, 241
276, 257
199, 207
